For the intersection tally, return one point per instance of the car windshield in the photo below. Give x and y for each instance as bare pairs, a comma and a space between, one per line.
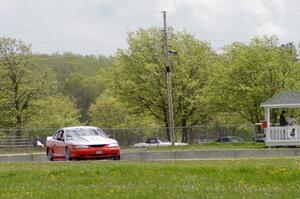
78, 132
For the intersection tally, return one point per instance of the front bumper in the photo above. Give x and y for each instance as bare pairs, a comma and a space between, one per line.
95, 153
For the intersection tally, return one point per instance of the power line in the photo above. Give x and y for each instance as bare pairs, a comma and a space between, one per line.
188, 12
110, 35
117, 44
80, 38
77, 24
104, 36
145, 14
73, 50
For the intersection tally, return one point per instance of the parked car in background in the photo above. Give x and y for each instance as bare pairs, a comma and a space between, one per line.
230, 139
81, 142
156, 142
204, 141
260, 137
37, 142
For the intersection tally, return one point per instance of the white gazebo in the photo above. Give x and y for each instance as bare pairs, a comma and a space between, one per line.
282, 135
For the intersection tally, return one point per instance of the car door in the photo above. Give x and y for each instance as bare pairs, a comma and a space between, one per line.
52, 143
59, 144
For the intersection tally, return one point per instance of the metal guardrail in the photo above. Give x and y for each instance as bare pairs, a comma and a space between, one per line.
15, 141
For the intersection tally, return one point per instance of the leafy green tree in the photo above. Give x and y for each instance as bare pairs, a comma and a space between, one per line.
66, 64
53, 112
81, 78
250, 74
191, 69
140, 80
84, 90
109, 112
20, 82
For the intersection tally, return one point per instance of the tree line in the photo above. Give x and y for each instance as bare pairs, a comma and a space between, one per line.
128, 89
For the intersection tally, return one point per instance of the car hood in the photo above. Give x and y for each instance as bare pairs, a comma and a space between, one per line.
90, 140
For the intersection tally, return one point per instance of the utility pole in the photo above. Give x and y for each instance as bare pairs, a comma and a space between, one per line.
169, 85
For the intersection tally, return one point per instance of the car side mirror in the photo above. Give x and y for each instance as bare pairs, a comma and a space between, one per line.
110, 136
60, 139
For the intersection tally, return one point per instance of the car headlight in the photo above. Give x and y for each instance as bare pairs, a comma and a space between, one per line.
112, 145
81, 146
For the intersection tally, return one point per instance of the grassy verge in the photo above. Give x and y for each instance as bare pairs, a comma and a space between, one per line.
271, 178
210, 146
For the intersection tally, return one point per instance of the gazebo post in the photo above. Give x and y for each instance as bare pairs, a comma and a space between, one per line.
267, 116
267, 119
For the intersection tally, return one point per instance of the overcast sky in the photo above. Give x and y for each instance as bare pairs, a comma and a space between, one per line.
100, 26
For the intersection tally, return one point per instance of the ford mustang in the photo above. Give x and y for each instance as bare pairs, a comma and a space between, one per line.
81, 142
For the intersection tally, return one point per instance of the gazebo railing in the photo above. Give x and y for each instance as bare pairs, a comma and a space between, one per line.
283, 134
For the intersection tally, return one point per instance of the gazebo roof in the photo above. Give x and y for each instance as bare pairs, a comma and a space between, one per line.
288, 99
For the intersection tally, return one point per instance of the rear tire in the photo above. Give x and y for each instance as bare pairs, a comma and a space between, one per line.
67, 154
49, 155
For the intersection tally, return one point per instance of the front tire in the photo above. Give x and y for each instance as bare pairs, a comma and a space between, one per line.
67, 154
49, 155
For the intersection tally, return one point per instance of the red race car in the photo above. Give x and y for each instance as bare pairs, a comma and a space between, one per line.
81, 142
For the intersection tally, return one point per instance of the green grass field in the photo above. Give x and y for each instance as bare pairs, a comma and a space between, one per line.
270, 178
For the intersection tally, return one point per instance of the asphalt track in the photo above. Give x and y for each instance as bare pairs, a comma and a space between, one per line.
176, 155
